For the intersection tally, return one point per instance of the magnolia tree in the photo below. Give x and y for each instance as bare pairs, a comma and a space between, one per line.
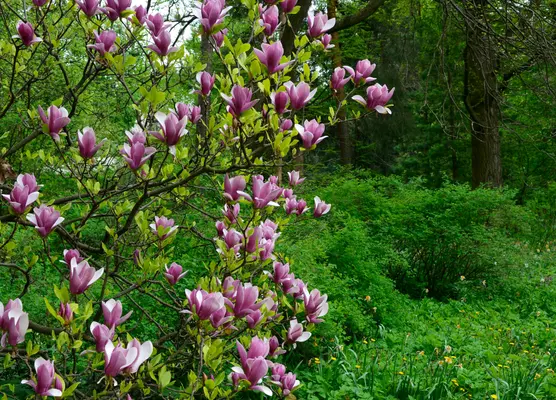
225, 334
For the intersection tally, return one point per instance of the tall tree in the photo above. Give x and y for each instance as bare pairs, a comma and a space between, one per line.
481, 96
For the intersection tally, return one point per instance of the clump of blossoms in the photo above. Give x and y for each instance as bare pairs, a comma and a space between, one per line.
134, 310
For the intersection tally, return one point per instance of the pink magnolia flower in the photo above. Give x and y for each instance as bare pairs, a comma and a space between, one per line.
295, 178
319, 24
291, 206
254, 374
183, 111
231, 212
288, 5
87, 142
290, 285
280, 101
4, 311
82, 276
44, 380
136, 135
220, 317
66, 312
210, 13
45, 219
141, 14
112, 311
321, 207
195, 114
270, 18
206, 81
39, 3
70, 254
26, 33
162, 44
116, 8
104, 43
288, 383
220, 228
232, 187
325, 41
274, 351
254, 367
362, 72
286, 125
302, 207
219, 37
202, 303
270, 57
143, 352
59, 383
135, 153
174, 273
299, 95
253, 319
233, 239
246, 297
296, 334
24, 193
281, 272
156, 24
264, 193
240, 101
14, 321
89, 7
311, 133
229, 287
173, 129
102, 335
55, 121
118, 358
377, 98
338, 81
28, 180
277, 370
163, 227
288, 194
316, 306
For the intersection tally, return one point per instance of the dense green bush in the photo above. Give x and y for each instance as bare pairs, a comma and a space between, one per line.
426, 241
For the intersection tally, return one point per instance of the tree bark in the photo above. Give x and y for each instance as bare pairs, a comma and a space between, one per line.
288, 35
361, 15
481, 98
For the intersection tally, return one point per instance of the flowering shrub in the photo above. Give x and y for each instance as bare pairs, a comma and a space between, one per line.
232, 326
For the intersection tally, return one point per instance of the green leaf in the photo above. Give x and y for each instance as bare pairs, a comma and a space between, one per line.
69, 391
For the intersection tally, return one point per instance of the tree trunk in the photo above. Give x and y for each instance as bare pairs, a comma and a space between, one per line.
346, 149
288, 35
481, 98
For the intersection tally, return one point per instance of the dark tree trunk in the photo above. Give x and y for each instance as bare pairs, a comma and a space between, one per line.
288, 35
481, 98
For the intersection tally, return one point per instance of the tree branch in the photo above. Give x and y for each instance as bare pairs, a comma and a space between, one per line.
351, 20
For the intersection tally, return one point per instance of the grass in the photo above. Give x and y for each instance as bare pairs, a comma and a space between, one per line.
496, 342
